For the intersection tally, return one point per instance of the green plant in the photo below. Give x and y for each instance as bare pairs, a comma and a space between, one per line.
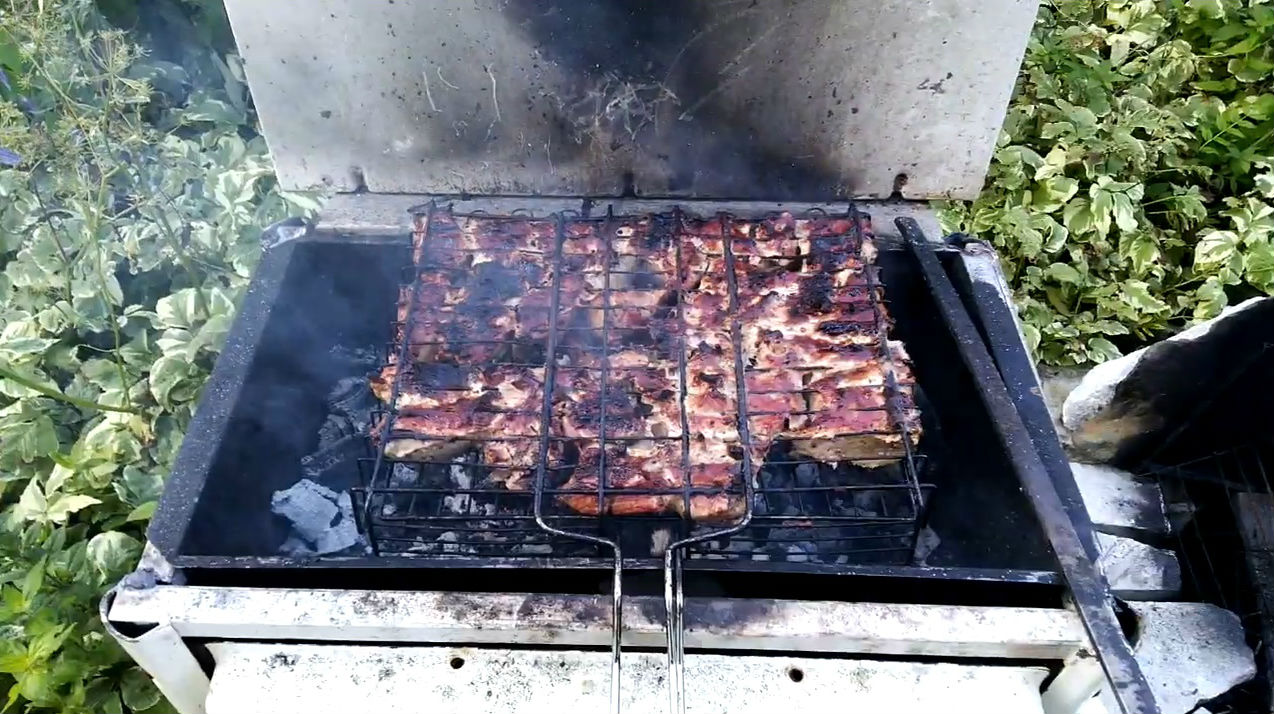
129, 224
1131, 187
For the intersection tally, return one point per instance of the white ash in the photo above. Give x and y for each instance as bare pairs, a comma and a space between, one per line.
322, 520
296, 547
662, 537
402, 476
310, 507
533, 549
926, 543
459, 503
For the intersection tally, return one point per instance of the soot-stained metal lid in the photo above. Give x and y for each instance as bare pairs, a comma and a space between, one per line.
770, 99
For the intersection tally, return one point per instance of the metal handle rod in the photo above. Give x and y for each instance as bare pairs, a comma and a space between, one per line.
674, 596
1088, 588
546, 414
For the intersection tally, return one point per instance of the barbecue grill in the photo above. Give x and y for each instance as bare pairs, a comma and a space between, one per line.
967, 541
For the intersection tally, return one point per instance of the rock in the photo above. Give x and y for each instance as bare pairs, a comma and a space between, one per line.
1137, 571
310, 507
1120, 407
1190, 652
1056, 383
1120, 503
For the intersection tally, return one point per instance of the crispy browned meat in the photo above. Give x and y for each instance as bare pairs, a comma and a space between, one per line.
652, 465
444, 409
811, 318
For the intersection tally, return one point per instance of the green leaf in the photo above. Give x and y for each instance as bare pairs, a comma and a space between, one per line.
1142, 251
25, 437
32, 505
1265, 184
1101, 349
62, 506
1215, 248
1137, 294
113, 552
1053, 192
138, 691
1210, 299
34, 579
1078, 217
14, 348
1123, 211
142, 512
138, 486
1212, 9
1064, 273
1260, 266
167, 376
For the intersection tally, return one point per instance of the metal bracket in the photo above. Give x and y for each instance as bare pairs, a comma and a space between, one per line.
1092, 595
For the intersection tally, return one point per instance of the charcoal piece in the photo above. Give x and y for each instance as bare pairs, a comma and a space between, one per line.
344, 534
336, 461
310, 508
806, 475
322, 520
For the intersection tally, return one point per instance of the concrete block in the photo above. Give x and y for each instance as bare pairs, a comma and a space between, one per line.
1137, 571
1190, 652
1120, 503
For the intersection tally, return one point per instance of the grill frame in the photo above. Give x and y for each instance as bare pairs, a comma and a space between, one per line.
555, 529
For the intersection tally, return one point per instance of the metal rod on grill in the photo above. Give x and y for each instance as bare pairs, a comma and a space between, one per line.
546, 418
674, 595
421, 227
892, 391
1088, 588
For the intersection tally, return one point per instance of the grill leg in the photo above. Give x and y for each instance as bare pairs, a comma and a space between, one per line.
161, 653
1079, 680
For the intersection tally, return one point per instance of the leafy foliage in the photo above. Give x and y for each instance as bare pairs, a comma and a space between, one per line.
133, 192
1132, 188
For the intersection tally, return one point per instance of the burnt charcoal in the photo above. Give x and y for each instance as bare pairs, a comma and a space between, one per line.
807, 475
337, 462
349, 407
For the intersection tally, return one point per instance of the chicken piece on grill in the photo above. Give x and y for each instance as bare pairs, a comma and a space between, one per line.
653, 466
640, 401
441, 412
812, 317
465, 335
652, 474
774, 397
850, 417
513, 463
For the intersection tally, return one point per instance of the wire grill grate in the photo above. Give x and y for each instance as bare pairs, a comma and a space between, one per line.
600, 321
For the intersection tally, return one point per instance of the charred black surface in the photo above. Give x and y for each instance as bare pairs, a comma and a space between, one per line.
654, 79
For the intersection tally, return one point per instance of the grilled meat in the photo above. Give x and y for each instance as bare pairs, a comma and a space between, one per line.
810, 316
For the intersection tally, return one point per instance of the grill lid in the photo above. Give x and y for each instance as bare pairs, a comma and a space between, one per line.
704, 99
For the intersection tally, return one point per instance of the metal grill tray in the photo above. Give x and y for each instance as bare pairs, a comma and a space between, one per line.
315, 301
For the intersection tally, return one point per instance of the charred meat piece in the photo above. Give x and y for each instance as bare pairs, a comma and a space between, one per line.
441, 411
651, 466
849, 416
640, 402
